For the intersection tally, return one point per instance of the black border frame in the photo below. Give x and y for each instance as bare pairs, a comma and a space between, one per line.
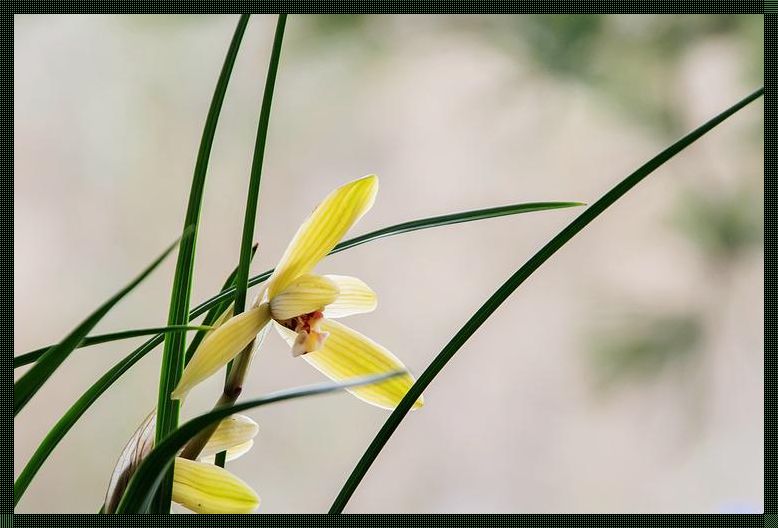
8, 519
397, 6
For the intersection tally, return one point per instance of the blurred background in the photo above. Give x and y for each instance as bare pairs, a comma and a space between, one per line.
625, 376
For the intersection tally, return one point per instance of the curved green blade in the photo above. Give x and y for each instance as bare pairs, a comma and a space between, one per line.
32, 380
219, 303
417, 225
140, 491
509, 286
173, 354
33, 356
74, 413
252, 197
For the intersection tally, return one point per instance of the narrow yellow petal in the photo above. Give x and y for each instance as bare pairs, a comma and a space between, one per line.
225, 316
205, 488
347, 354
232, 453
220, 346
307, 293
355, 297
233, 431
322, 230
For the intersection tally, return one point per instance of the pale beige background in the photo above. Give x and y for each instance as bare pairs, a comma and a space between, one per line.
453, 113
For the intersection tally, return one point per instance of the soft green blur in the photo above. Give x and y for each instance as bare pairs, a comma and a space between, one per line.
625, 376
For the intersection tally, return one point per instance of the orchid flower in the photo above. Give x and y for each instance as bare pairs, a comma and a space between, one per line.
198, 485
303, 307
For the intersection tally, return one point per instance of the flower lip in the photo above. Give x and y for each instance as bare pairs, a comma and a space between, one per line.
305, 322
309, 337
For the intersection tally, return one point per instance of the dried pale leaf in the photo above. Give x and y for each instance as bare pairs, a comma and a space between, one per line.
139, 445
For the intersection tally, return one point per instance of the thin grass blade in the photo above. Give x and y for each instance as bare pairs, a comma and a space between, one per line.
252, 198
173, 355
148, 477
33, 356
417, 225
510, 285
74, 413
32, 380
219, 303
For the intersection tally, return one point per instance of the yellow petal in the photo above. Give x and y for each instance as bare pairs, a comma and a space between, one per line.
347, 354
355, 297
233, 431
220, 346
232, 453
307, 293
205, 488
223, 318
322, 230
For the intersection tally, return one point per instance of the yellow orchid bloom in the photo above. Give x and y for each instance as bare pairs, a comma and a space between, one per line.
197, 485
205, 488
234, 435
303, 305
220, 346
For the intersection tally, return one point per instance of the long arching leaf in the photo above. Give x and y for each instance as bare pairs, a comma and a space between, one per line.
218, 304
147, 478
173, 355
34, 355
252, 199
69, 419
32, 380
510, 285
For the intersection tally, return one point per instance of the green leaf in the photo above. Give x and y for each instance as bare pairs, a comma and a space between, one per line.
252, 198
32, 380
214, 311
174, 354
417, 225
219, 303
509, 286
138, 495
69, 419
33, 356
